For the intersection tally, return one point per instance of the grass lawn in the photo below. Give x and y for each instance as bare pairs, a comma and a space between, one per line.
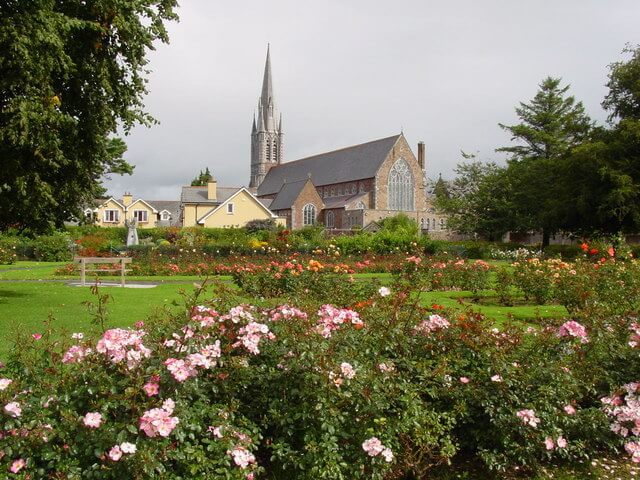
25, 306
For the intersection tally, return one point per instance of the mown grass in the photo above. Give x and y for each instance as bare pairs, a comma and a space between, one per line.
24, 306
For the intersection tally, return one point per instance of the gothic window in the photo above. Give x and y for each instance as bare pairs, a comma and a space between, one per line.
331, 219
275, 151
268, 151
361, 187
400, 186
333, 191
309, 214
353, 188
360, 205
442, 224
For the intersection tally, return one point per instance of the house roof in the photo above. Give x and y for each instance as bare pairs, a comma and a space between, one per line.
229, 198
287, 195
199, 194
347, 164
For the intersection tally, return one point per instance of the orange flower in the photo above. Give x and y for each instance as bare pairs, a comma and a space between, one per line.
593, 251
584, 247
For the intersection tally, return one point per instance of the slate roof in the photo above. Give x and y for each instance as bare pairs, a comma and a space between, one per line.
341, 202
347, 164
199, 194
287, 195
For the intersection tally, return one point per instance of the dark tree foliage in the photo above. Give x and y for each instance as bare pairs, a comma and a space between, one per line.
551, 126
71, 74
478, 200
202, 179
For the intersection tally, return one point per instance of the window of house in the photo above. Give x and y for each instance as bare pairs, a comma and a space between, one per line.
140, 215
165, 215
88, 213
230, 208
111, 216
442, 224
333, 191
400, 186
309, 214
433, 223
360, 205
353, 188
331, 219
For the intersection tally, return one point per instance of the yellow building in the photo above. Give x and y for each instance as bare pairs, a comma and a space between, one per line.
148, 213
222, 207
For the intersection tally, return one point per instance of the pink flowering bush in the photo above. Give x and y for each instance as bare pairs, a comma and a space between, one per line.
344, 386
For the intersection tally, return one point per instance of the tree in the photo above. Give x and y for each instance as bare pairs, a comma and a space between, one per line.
72, 74
202, 179
551, 126
477, 201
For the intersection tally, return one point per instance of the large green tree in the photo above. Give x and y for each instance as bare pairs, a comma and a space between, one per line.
71, 75
478, 200
552, 125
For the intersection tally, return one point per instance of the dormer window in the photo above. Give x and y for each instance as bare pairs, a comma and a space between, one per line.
164, 215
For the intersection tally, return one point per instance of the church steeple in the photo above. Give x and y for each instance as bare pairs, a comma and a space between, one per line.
266, 134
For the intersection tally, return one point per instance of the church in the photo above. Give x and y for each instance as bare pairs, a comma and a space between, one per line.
354, 186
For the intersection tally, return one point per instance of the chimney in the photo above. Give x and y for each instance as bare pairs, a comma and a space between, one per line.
421, 158
127, 199
212, 189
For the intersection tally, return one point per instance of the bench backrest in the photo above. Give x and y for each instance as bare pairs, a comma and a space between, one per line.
102, 259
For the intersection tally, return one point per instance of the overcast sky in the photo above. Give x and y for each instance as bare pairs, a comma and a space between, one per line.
351, 71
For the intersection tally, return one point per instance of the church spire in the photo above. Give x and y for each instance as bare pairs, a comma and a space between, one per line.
267, 98
266, 132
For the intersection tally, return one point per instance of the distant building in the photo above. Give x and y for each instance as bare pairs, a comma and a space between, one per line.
342, 189
112, 212
221, 207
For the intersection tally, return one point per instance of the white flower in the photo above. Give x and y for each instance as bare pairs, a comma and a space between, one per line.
384, 291
127, 447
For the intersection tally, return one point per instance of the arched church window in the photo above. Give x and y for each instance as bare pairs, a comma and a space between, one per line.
331, 219
275, 151
400, 185
268, 151
309, 214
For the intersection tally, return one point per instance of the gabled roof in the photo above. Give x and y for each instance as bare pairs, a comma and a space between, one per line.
154, 209
344, 165
218, 207
287, 195
199, 194
104, 202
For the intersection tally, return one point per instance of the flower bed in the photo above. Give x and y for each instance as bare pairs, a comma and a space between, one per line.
357, 384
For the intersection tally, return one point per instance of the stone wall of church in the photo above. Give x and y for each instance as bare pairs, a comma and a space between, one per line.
308, 195
400, 150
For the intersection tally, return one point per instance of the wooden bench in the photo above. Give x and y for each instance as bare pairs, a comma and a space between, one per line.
84, 261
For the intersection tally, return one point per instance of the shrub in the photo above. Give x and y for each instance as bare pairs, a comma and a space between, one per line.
254, 226
57, 247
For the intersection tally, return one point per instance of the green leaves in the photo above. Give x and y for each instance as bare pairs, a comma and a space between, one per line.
72, 75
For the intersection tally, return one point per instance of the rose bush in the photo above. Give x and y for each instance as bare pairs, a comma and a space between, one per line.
352, 383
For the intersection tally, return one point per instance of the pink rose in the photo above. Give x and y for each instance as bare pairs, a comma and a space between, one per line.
115, 453
92, 419
569, 409
464, 380
17, 465
549, 444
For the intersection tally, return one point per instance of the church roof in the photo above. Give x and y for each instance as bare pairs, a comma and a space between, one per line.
287, 195
347, 164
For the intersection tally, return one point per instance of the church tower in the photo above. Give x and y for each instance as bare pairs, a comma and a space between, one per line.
266, 133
